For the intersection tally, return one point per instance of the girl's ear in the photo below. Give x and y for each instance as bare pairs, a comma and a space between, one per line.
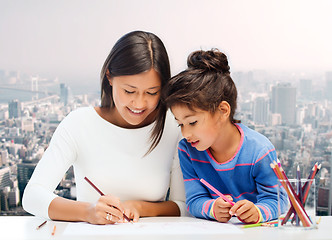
225, 109
108, 75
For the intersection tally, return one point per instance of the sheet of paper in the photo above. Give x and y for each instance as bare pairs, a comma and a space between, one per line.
149, 228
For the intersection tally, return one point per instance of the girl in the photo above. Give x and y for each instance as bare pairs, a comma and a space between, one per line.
125, 146
216, 147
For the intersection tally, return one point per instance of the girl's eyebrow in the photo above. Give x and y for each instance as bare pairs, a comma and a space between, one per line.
190, 115
136, 87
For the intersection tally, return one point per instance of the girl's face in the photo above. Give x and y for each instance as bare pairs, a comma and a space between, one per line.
136, 98
200, 128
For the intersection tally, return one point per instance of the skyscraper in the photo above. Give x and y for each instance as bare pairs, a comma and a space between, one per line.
284, 102
24, 172
64, 93
14, 109
306, 89
328, 86
261, 110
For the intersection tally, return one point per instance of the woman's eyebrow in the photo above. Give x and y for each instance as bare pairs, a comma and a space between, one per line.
136, 87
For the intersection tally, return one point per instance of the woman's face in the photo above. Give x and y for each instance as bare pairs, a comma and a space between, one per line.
136, 98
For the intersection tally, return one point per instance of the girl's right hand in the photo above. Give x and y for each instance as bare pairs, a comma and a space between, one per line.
107, 210
221, 209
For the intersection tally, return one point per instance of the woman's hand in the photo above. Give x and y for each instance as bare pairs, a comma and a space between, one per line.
107, 210
132, 209
221, 209
245, 211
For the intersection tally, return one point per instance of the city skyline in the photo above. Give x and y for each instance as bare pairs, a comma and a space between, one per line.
71, 39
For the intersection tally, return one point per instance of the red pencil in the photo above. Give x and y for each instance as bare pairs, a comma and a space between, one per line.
312, 175
291, 194
102, 194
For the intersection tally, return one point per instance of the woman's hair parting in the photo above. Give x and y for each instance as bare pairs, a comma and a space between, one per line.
204, 84
135, 53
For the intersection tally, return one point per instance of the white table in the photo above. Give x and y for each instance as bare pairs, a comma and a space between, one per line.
24, 227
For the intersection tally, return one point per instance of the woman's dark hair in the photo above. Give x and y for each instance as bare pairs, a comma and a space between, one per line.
204, 84
134, 53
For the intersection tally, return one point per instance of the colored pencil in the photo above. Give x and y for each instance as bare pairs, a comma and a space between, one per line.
291, 194
299, 192
102, 194
266, 224
305, 190
54, 228
216, 191
41, 225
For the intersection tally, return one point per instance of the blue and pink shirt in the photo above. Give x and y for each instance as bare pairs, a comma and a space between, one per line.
247, 175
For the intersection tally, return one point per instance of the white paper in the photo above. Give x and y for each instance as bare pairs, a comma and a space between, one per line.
153, 228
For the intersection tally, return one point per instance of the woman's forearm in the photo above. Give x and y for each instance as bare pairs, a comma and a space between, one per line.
153, 209
68, 210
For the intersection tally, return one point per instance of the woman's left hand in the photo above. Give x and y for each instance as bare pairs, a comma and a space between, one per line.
131, 209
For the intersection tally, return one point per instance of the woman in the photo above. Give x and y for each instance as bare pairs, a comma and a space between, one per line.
125, 147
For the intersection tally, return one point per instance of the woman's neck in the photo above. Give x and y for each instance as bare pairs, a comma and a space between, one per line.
111, 115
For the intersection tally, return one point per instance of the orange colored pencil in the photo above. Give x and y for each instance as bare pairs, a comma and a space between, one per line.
54, 228
293, 198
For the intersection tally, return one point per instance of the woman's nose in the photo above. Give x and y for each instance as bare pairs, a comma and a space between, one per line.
139, 101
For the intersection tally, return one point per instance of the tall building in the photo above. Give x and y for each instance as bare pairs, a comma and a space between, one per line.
5, 177
14, 109
64, 93
261, 111
305, 89
328, 86
24, 172
284, 102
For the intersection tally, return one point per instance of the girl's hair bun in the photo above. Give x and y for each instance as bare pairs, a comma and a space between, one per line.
212, 60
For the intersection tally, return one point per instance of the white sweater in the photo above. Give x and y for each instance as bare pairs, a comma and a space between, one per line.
112, 158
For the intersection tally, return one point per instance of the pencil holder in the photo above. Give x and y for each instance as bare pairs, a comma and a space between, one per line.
297, 203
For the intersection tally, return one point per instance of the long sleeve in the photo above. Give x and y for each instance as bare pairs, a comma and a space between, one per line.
106, 153
56, 160
198, 199
177, 192
267, 186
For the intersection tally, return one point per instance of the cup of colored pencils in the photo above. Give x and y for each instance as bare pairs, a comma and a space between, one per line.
296, 198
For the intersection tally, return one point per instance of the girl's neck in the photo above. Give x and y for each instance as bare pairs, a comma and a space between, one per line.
225, 148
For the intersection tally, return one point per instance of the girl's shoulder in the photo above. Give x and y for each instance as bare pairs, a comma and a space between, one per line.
253, 136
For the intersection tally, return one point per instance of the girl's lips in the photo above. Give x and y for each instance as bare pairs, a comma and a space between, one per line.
194, 144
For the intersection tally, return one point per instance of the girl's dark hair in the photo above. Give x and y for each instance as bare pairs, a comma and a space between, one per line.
204, 84
134, 53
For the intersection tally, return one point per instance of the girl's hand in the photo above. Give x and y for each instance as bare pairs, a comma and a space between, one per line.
221, 209
107, 210
245, 211
131, 209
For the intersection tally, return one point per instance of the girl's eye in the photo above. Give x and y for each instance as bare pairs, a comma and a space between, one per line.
193, 123
180, 125
128, 92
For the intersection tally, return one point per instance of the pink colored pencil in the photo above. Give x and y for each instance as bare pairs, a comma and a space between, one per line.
216, 191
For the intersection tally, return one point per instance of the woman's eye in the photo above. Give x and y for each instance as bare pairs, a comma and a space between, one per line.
180, 125
193, 123
128, 92
152, 93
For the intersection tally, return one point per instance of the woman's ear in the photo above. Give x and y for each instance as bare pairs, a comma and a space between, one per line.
108, 75
225, 109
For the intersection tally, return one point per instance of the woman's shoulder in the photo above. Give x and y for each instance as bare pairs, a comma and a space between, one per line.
78, 115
